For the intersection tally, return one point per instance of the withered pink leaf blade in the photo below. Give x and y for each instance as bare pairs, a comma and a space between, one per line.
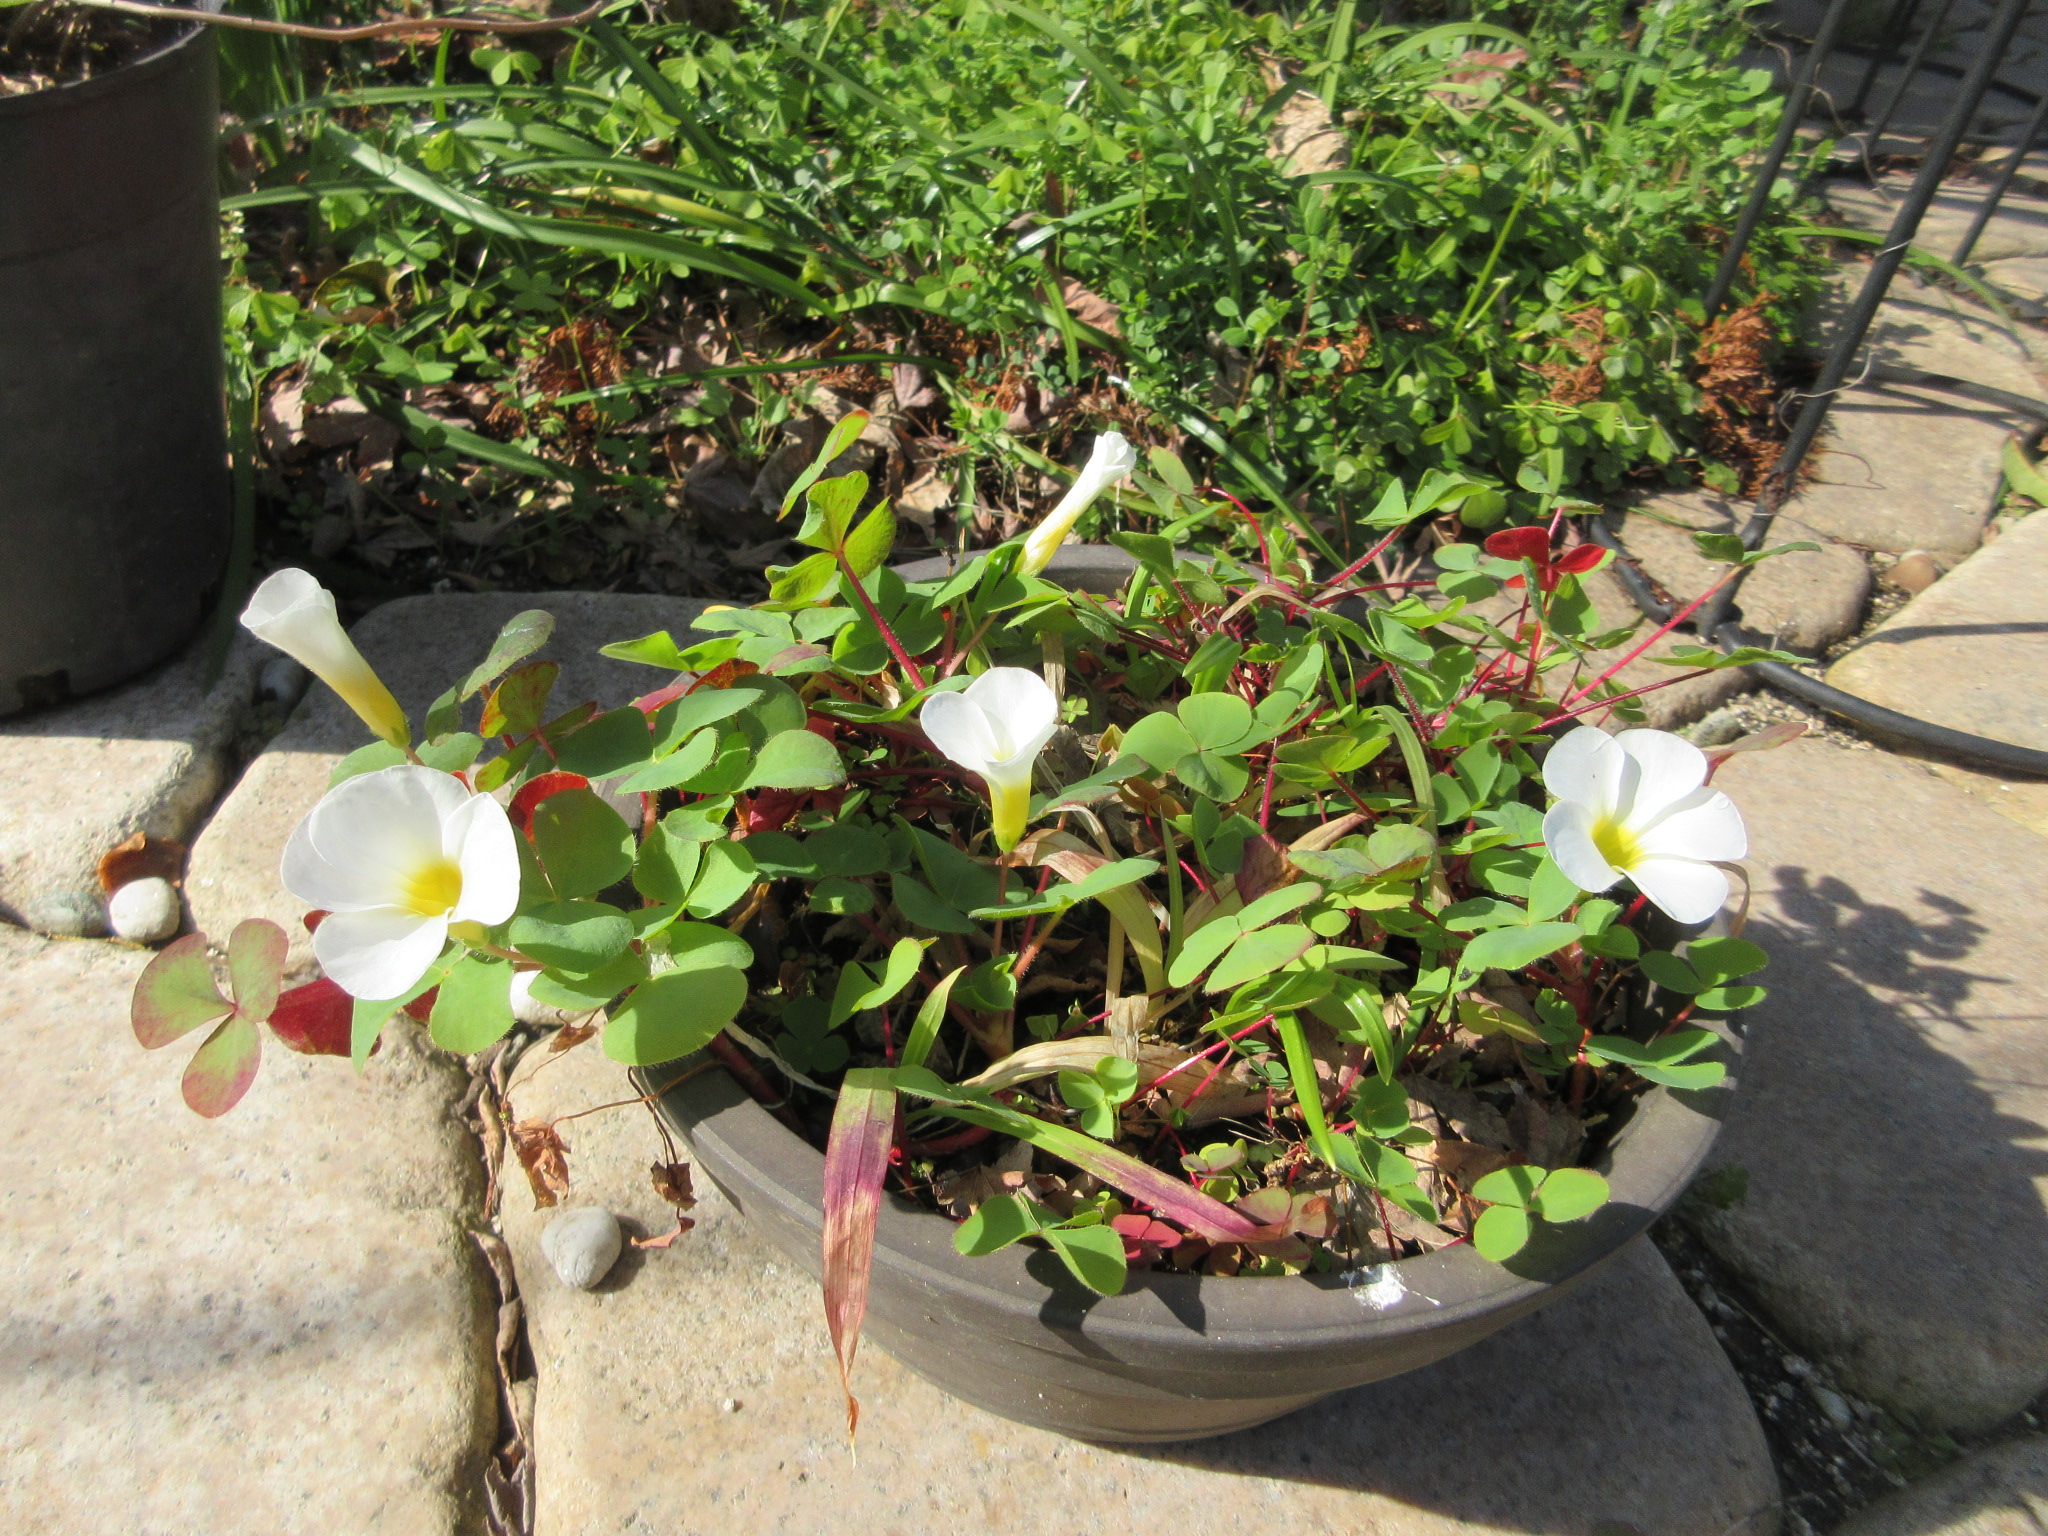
856, 1160
222, 1069
175, 993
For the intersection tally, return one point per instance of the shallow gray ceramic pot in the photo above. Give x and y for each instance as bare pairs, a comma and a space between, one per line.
1174, 1357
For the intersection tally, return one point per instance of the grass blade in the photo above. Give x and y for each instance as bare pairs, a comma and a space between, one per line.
856, 1160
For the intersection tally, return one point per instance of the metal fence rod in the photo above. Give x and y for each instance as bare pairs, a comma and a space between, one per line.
1849, 337
1894, 29
1913, 62
1767, 172
2006, 173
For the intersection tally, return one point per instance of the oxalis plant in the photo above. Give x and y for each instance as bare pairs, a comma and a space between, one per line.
1247, 921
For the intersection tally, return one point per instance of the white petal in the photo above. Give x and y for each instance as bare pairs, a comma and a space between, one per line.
1585, 766
1110, 460
1704, 825
319, 884
1020, 708
1685, 890
479, 837
379, 953
377, 830
1568, 834
1667, 769
959, 730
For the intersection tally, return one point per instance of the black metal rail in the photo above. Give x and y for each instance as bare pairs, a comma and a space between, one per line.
1712, 620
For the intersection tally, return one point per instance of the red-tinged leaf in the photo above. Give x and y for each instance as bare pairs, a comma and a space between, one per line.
314, 1020
856, 1159
222, 1069
513, 708
1520, 544
651, 704
175, 993
1143, 1229
1176, 1201
537, 789
421, 1008
1578, 561
256, 951
312, 920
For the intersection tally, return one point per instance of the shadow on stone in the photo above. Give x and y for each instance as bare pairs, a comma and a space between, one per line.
1893, 1110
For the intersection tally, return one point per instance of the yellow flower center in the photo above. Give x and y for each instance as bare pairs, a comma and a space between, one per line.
433, 888
1617, 844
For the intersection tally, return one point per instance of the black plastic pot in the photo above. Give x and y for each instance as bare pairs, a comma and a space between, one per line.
115, 509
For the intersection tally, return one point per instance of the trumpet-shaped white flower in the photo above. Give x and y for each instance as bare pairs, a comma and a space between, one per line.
1108, 462
395, 857
296, 614
996, 727
1638, 805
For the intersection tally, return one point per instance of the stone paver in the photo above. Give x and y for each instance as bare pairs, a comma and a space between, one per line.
265, 1325
1894, 1117
81, 779
694, 1392
1805, 600
1901, 467
419, 645
2018, 228
2002, 1491
1971, 653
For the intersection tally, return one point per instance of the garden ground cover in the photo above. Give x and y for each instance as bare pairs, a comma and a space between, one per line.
572, 314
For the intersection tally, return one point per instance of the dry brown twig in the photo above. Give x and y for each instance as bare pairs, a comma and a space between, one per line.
396, 27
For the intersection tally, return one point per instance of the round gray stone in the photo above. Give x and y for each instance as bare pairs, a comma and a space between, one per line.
144, 911
2002, 1491
582, 1244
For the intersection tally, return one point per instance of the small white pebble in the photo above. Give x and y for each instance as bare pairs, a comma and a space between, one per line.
730, 1405
583, 1244
144, 911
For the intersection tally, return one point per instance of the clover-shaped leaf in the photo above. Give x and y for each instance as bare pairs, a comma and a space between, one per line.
176, 993
1521, 1193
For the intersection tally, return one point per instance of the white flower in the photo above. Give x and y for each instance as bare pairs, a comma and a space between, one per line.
395, 857
1108, 462
296, 614
997, 727
1637, 804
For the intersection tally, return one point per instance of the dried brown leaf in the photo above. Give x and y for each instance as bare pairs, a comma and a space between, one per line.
545, 1157
142, 857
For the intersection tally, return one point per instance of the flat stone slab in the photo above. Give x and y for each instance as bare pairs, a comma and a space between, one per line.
270, 1323
1893, 1120
419, 645
83, 778
2002, 1491
1971, 653
1903, 468
2018, 228
1805, 600
695, 1391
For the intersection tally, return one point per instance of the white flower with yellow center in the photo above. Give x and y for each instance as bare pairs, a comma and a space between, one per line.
1108, 462
296, 614
996, 727
394, 857
1638, 805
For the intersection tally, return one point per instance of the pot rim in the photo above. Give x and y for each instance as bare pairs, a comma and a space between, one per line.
123, 77
1649, 1164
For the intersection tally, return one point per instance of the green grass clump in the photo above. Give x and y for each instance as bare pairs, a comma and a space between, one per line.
1317, 254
